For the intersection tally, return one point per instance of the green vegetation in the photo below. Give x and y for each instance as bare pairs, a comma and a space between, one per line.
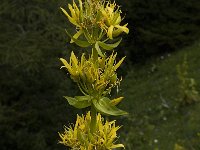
96, 22
158, 26
152, 98
187, 87
32, 39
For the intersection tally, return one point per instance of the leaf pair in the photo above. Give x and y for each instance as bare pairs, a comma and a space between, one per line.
74, 39
103, 105
97, 45
105, 46
79, 101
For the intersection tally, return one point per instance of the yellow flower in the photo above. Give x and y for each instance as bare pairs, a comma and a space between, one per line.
80, 137
72, 67
94, 77
111, 14
76, 13
86, 18
94, 19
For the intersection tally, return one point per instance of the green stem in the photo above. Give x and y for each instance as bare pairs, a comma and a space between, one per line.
93, 110
93, 119
94, 53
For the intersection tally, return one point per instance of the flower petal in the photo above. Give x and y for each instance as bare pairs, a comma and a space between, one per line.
72, 20
123, 28
116, 101
110, 31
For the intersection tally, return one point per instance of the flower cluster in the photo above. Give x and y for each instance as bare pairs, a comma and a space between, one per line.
97, 22
94, 19
111, 14
80, 137
94, 77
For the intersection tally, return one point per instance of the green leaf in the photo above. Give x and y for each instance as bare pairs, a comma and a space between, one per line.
109, 46
87, 36
76, 36
83, 98
98, 50
79, 101
80, 43
104, 106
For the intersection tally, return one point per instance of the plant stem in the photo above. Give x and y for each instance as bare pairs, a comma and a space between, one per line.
93, 110
93, 119
94, 54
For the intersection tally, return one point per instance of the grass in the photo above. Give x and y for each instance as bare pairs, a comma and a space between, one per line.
151, 91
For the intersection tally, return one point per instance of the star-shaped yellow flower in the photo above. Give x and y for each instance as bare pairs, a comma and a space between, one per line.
112, 16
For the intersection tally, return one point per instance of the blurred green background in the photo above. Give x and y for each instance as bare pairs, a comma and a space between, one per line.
32, 109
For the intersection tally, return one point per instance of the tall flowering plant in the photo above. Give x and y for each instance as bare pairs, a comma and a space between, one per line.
97, 24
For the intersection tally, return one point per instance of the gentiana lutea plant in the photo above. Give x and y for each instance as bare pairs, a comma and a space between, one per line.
97, 24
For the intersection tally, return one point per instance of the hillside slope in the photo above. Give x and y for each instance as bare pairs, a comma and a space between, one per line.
157, 120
